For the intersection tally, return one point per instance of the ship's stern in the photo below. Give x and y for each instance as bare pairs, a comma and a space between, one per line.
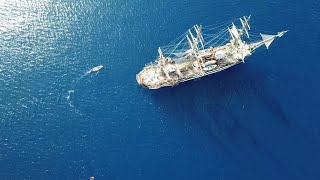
139, 79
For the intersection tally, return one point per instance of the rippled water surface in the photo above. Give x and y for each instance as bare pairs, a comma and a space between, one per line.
258, 120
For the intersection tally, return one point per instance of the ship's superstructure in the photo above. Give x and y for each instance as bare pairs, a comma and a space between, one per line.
199, 52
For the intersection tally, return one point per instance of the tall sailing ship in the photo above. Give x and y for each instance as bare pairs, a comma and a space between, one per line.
202, 51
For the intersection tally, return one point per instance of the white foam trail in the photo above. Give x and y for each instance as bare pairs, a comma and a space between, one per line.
70, 97
71, 92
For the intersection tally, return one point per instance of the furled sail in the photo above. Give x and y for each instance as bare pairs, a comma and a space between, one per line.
160, 53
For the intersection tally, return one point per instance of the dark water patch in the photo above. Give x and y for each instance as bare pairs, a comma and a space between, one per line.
219, 96
222, 105
275, 107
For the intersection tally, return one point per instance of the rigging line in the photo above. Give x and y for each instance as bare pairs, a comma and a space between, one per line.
206, 29
216, 33
222, 24
213, 29
172, 43
177, 46
178, 38
220, 38
171, 46
218, 41
254, 33
220, 34
264, 31
219, 24
213, 26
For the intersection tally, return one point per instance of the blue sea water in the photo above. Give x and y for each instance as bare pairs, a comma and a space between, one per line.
258, 120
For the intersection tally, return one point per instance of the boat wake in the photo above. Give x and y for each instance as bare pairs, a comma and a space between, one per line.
71, 92
70, 97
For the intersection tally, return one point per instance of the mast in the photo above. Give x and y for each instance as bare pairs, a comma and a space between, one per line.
238, 46
191, 45
199, 35
160, 53
193, 42
245, 25
236, 33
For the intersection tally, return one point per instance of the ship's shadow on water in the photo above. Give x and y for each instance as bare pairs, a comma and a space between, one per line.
224, 104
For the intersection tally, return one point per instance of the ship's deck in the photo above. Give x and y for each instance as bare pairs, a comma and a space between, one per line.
171, 73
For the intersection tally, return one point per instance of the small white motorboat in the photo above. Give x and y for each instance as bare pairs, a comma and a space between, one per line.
95, 69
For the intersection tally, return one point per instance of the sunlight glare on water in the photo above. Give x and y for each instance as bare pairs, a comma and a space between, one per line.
257, 120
